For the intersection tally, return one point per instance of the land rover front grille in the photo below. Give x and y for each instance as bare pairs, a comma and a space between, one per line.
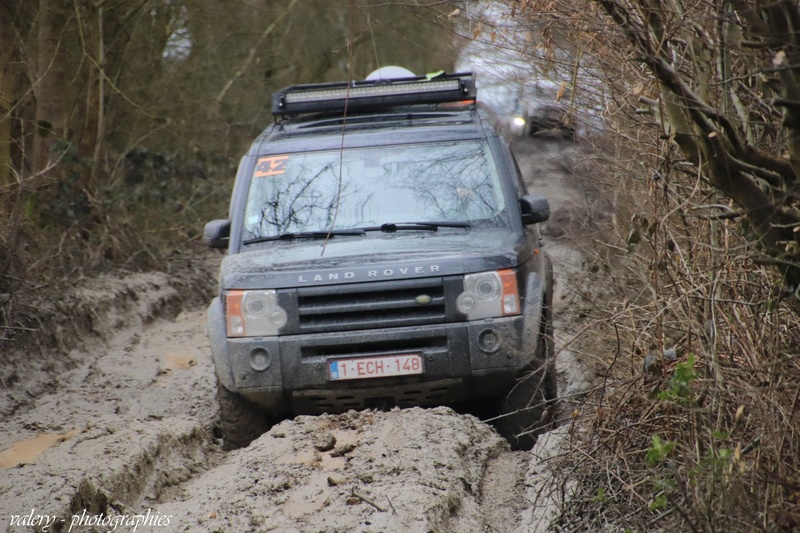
411, 302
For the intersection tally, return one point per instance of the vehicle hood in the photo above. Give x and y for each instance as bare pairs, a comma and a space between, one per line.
376, 257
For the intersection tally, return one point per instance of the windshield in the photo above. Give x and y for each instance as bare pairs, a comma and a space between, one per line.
434, 182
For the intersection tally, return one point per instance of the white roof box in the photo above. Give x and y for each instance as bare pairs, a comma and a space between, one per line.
389, 73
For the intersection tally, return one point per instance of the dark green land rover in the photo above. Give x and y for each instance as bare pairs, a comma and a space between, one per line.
382, 250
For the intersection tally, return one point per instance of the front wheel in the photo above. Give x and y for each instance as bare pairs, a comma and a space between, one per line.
239, 420
529, 407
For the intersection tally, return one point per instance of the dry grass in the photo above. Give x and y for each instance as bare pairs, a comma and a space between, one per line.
693, 423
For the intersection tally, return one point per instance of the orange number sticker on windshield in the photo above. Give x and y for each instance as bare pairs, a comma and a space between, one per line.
270, 166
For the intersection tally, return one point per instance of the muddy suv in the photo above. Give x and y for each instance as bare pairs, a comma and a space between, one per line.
382, 251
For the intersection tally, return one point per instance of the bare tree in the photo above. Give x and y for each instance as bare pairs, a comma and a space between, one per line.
729, 96
134, 102
720, 80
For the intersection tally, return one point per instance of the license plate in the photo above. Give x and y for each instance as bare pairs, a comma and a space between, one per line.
375, 367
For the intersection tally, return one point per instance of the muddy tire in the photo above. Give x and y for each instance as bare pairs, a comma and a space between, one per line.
528, 409
239, 420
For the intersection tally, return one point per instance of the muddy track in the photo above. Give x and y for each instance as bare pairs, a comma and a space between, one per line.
127, 429
132, 432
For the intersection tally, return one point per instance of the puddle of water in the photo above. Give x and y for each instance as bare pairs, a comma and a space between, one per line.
26, 451
177, 361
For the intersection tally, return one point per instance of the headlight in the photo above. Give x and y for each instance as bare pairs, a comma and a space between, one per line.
519, 121
489, 294
254, 313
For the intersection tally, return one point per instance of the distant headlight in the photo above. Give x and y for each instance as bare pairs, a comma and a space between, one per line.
254, 313
518, 121
489, 295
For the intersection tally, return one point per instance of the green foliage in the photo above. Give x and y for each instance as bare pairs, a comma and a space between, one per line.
659, 450
601, 495
709, 461
720, 435
679, 388
658, 503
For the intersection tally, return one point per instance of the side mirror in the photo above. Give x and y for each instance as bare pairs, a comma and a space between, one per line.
534, 208
216, 233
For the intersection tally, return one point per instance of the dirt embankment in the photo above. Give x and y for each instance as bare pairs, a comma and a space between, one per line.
126, 428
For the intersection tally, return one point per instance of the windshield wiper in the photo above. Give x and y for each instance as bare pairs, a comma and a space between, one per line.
307, 235
411, 226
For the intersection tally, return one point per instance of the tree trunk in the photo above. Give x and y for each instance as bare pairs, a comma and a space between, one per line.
51, 83
8, 73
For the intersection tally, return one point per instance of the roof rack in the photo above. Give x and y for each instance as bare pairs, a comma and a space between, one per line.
365, 95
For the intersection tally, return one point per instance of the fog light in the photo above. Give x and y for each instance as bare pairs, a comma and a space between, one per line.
260, 359
489, 340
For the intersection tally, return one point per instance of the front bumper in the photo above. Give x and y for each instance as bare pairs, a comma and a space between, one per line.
289, 374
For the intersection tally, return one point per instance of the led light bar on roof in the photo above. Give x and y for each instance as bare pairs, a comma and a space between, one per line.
373, 94
373, 90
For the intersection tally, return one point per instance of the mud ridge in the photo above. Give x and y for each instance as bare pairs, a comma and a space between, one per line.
402, 470
168, 453
87, 315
